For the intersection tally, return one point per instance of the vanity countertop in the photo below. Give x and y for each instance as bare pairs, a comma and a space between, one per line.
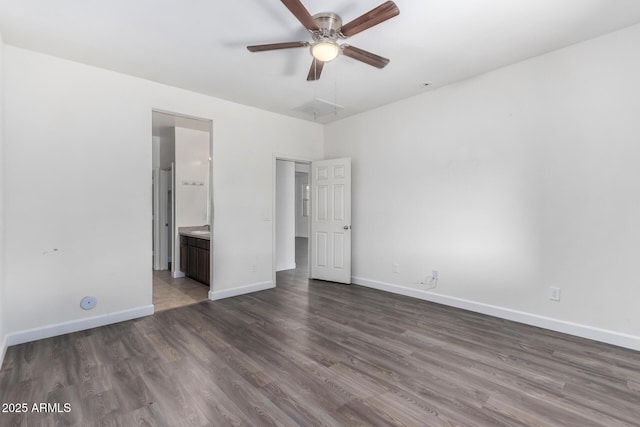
199, 232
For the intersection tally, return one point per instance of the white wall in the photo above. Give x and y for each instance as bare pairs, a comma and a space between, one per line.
508, 183
192, 165
155, 152
167, 148
285, 215
75, 229
302, 222
3, 301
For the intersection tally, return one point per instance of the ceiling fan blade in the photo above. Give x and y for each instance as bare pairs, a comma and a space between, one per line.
364, 56
301, 13
386, 10
276, 46
315, 70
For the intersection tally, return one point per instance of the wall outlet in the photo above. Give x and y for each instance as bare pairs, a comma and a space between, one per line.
435, 274
554, 293
396, 268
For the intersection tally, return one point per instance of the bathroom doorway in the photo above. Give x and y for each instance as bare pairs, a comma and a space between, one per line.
182, 209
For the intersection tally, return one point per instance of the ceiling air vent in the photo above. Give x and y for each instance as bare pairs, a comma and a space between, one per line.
319, 108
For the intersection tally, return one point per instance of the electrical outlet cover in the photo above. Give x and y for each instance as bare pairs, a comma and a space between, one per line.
554, 293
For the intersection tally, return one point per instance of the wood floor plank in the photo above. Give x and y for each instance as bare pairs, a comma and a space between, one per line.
178, 406
205, 394
101, 407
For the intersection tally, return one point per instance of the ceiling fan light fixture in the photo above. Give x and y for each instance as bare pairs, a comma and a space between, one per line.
326, 28
325, 51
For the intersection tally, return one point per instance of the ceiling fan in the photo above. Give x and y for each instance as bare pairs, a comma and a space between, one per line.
326, 28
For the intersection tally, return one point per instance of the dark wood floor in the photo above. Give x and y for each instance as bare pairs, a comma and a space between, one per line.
314, 353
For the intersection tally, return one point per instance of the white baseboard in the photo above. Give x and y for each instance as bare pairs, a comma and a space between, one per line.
178, 275
3, 349
597, 334
286, 267
234, 292
78, 325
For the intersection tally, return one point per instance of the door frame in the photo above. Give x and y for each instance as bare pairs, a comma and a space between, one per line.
173, 229
161, 229
289, 158
156, 218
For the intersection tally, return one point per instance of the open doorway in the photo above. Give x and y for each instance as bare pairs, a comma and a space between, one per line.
292, 210
303, 205
182, 206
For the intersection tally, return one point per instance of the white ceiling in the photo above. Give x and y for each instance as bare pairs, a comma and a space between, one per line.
200, 44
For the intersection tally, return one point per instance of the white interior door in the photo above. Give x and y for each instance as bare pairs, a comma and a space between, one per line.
156, 219
331, 220
163, 219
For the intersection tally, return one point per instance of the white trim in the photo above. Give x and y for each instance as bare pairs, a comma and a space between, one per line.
286, 267
178, 275
597, 334
78, 325
3, 349
234, 292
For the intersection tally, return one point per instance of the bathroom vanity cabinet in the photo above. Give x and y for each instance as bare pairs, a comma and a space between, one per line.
195, 258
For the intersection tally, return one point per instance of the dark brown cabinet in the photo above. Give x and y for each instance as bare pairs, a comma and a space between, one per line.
195, 258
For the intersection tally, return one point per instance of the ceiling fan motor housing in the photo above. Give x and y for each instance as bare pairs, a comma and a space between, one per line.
329, 25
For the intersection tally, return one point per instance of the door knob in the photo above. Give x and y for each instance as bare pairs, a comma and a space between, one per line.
346, 227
